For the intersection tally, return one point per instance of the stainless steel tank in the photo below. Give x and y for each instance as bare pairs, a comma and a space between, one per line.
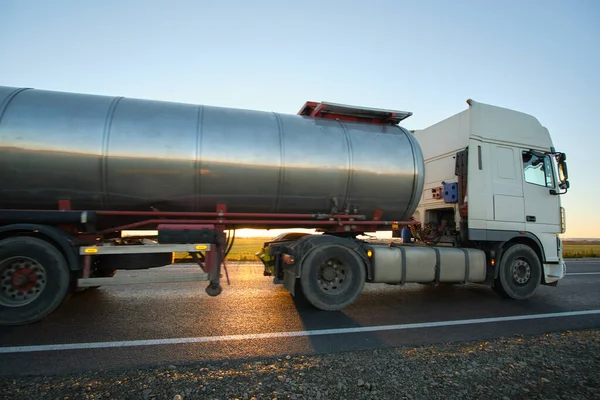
115, 153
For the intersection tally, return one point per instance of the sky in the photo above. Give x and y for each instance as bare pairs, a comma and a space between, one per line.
428, 57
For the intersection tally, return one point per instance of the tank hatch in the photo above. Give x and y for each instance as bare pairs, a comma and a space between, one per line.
353, 113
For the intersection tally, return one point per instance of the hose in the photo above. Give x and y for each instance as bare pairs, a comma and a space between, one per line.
229, 243
228, 246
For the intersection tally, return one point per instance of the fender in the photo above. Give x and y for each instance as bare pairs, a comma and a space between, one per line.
505, 237
62, 240
303, 246
487, 235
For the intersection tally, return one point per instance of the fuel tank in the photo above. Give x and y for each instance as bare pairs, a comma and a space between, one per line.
115, 153
427, 264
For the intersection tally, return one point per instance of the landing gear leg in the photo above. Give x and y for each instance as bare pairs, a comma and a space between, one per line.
214, 290
212, 264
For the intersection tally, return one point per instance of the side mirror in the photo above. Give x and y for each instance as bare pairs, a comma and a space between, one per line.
563, 173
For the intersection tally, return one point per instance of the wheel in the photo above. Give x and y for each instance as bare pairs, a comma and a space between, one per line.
34, 280
520, 273
332, 277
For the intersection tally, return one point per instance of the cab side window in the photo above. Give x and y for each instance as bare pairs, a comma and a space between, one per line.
538, 170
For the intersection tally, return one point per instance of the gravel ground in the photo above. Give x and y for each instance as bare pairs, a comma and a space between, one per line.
553, 366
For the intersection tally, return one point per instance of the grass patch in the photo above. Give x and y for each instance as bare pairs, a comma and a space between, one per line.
243, 250
581, 250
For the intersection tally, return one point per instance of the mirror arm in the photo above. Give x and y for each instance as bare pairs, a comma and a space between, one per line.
564, 189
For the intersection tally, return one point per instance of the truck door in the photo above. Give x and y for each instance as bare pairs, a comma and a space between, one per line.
542, 209
509, 210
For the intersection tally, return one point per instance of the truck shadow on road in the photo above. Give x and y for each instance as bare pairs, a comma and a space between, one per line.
384, 305
316, 320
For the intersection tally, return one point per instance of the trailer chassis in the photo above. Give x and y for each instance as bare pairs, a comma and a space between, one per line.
74, 249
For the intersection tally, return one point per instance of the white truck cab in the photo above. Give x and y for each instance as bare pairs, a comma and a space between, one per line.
492, 177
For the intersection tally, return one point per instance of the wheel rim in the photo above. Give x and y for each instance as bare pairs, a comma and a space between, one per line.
334, 276
22, 280
521, 271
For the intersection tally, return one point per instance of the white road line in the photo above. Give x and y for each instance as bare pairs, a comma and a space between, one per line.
274, 335
583, 273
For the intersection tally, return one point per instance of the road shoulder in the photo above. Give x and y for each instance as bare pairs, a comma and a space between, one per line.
556, 364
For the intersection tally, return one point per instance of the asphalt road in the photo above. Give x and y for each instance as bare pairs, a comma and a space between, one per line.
179, 324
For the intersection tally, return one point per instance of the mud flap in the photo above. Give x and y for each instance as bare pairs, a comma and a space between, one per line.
289, 280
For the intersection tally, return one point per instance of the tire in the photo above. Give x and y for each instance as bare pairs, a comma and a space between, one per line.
34, 280
332, 277
497, 287
520, 273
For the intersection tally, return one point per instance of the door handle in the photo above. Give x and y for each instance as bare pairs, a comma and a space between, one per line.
531, 218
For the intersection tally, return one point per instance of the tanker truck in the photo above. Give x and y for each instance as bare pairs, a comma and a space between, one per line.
475, 197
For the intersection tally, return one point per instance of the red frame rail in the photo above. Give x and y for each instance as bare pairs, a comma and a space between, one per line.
223, 219
227, 220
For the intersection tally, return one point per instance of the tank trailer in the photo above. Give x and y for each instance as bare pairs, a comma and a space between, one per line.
475, 198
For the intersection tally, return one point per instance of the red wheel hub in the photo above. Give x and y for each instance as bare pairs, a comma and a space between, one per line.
24, 279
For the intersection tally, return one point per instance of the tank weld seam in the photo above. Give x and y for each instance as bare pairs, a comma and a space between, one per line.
282, 162
350, 164
9, 100
438, 267
198, 158
105, 143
